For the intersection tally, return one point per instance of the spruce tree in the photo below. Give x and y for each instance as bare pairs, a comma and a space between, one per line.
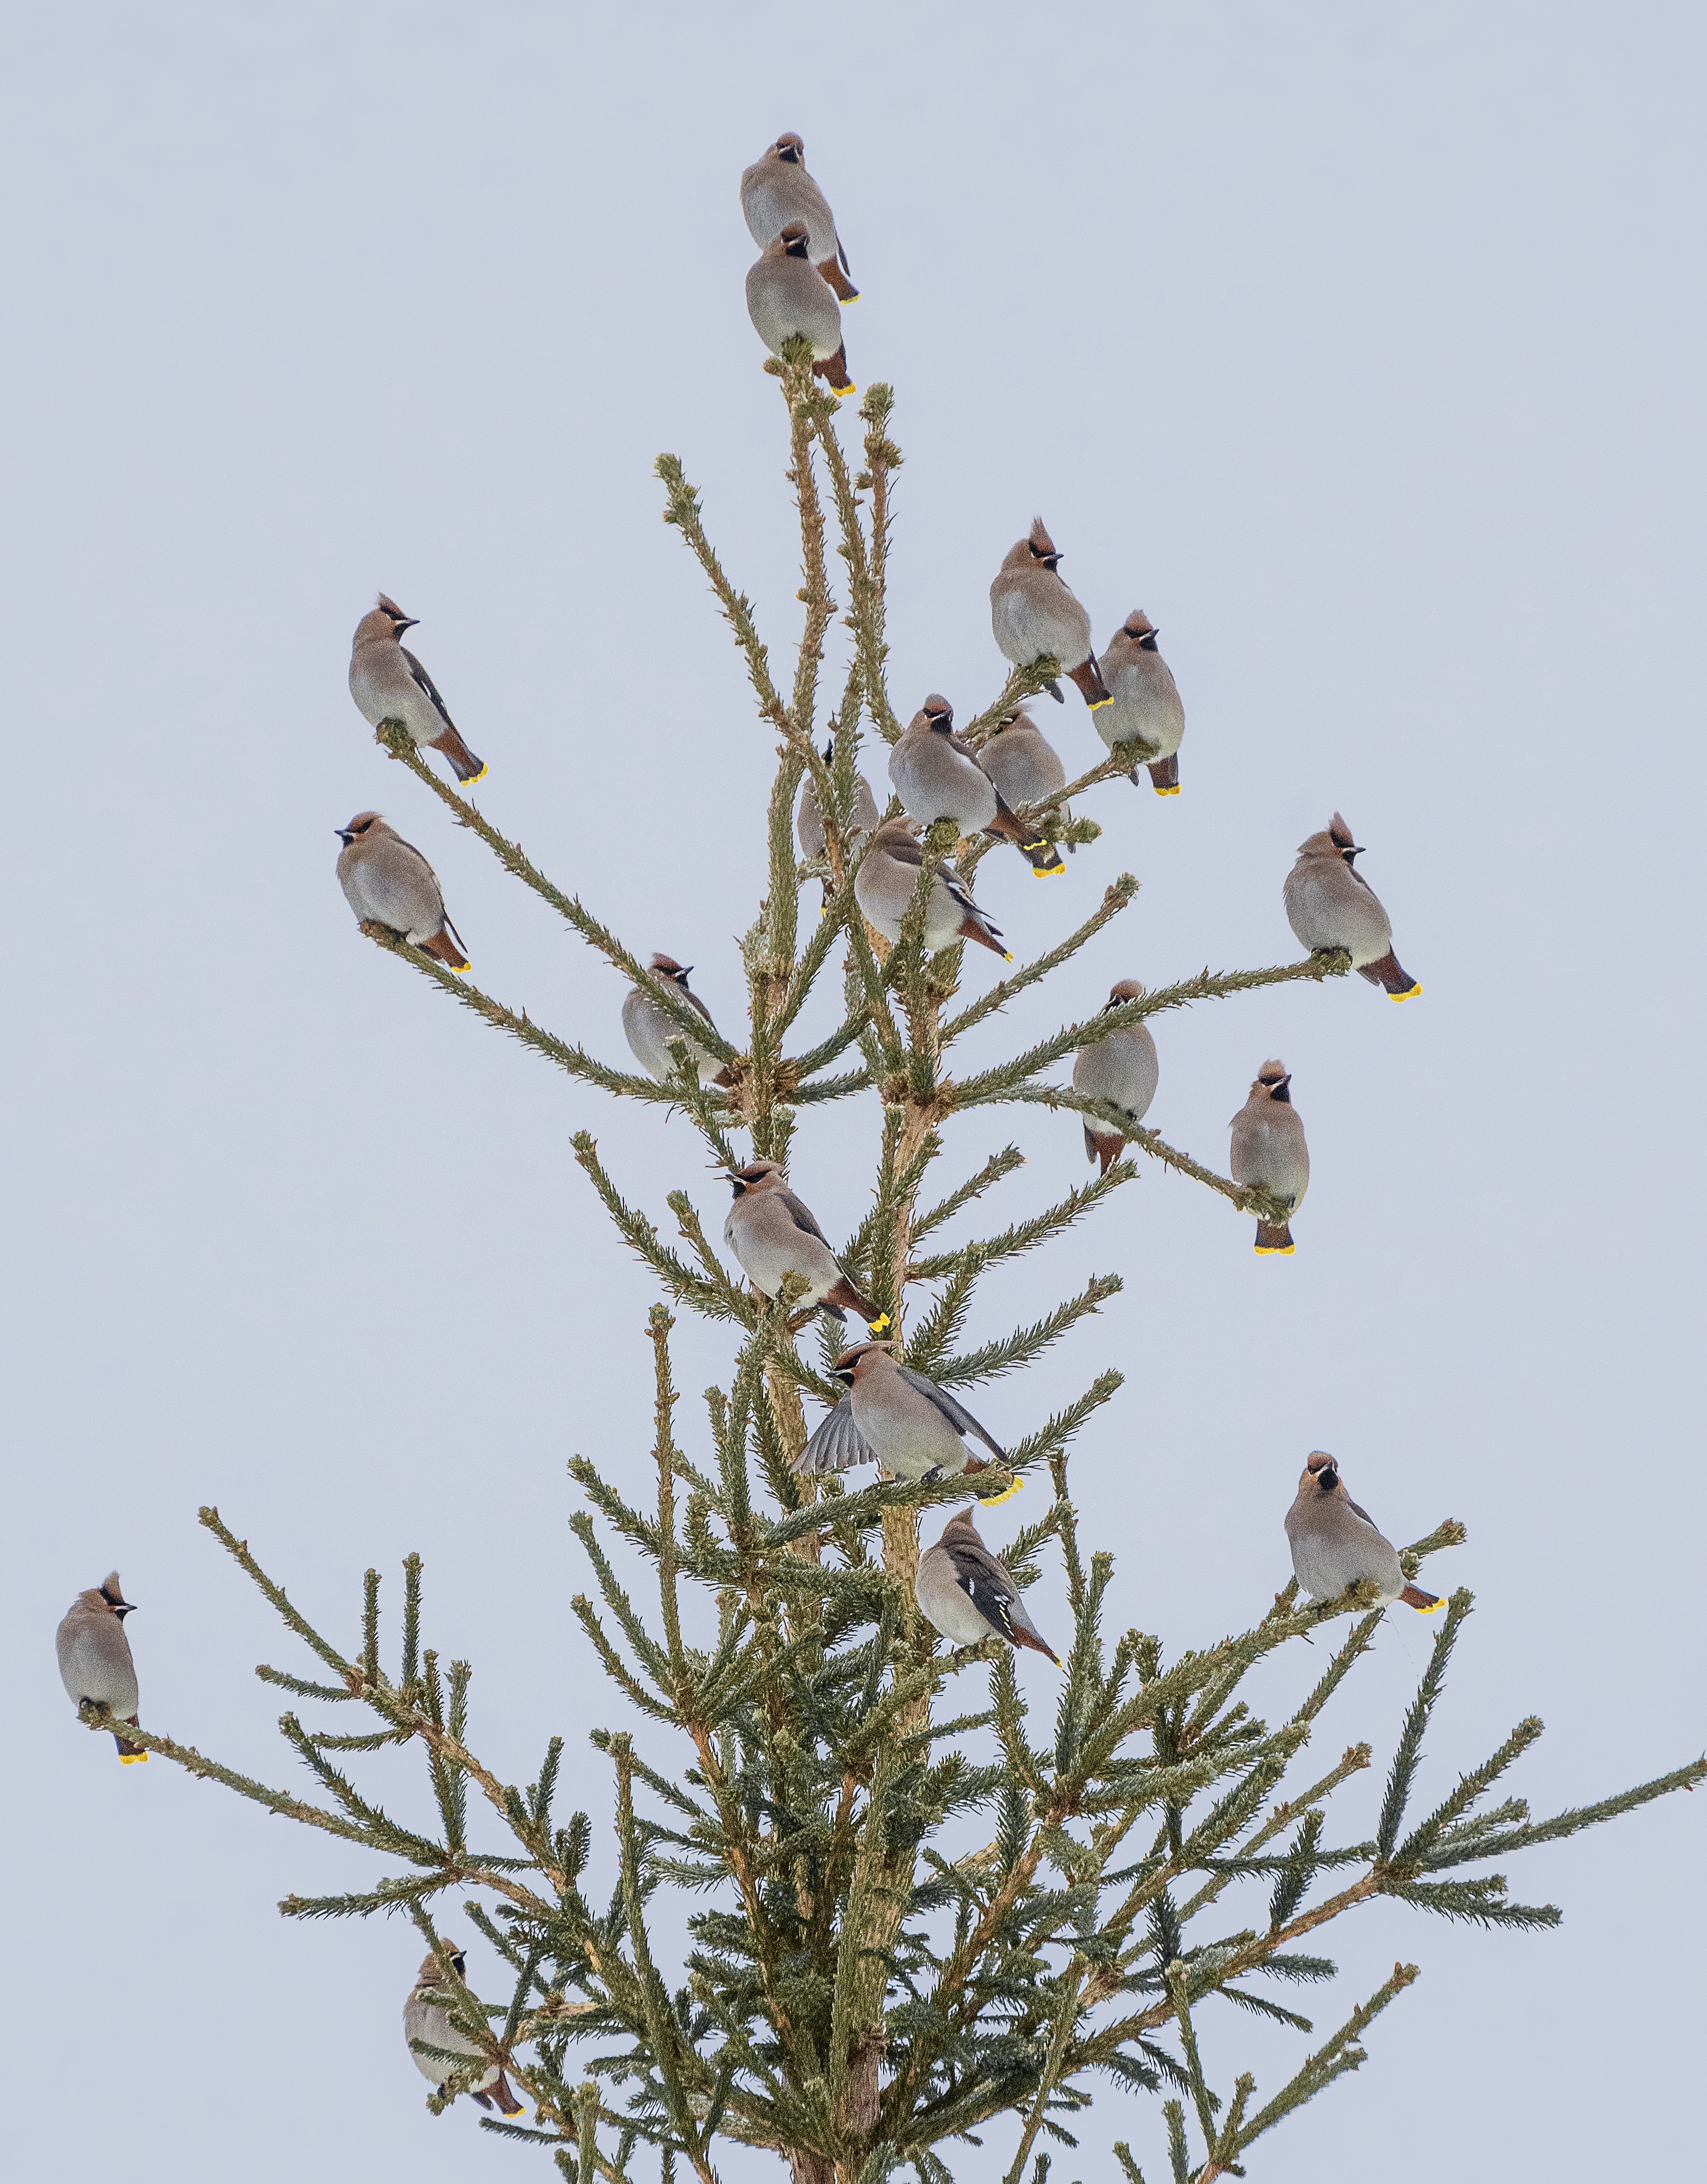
793, 1748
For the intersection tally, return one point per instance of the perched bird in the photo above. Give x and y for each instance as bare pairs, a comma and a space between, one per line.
787, 295
884, 884
1329, 903
937, 775
95, 1657
388, 880
775, 191
1335, 1544
1122, 1069
430, 2022
1269, 1149
809, 820
964, 1591
772, 1234
893, 1416
389, 684
1021, 760
649, 1030
1034, 615
1145, 719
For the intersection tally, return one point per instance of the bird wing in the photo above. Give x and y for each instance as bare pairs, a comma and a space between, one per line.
1357, 1509
904, 851
803, 1216
427, 684
961, 1419
986, 1583
837, 1445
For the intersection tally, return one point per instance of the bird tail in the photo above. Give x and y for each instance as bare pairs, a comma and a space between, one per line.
725, 1079
1165, 773
464, 765
1088, 677
1045, 857
1272, 1242
1425, 1603
1387, 973
445, 949
845, 1298
1025, 1637
129, 1755
1103, 1145
975, 1463
974, 928
842, 288
505, 2098
835, 369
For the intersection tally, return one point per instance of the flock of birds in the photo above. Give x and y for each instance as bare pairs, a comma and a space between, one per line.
890, 1415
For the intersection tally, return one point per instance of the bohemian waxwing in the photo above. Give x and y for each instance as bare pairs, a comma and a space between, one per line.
1145, 721
1269, 1148
893, 1416
429, 2023
937, 775
649, 1030
776, 191
1121, 1069
1329, 903
1035, 615
388, 880
966, 1594
772, 1234
389, 684
1335, 1543
787, 295
883, 887
95, 1657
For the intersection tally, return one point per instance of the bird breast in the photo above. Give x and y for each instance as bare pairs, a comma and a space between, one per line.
773, 194
649, 1032
934, 782
1328, 906
906, 1431
787, 296
1333, 1547
1268, 1147
1122, 1068
1146, 703
1033, 613
95, 1662
426, 2021
762, 1234
945, 1603
1025, 768
385, 690
385, 881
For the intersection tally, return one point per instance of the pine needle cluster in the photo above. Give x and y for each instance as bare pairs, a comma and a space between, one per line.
800, 1753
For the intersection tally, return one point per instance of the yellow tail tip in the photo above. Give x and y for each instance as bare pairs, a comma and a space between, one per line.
1275, 1251
1007, 954
1097, 703
995, 1501
1434, 1608
475, 779
850, 388
1174, 791
132, 1759
878, 1324
1409, 993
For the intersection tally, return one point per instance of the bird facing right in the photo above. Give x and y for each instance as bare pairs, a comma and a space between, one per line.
883, 887
786, 296
1329, 903
1269, 1148
1335, 1544
388, 881
1035, 616
95, 1660
776, 190
1121, 1068
965, 1593
389, 684
430, 2022
1145, 721
649, 1030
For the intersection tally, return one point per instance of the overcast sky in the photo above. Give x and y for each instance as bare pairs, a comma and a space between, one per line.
1362, 348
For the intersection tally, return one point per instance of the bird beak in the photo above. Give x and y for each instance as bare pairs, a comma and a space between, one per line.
683, 971
344, 835
845, 1374
406, 621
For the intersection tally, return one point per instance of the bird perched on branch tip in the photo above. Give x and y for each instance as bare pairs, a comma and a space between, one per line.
389, 684
787, 296
775, 191
1329, 903
1335, 1544
95, 1660
387, 880
967, 1595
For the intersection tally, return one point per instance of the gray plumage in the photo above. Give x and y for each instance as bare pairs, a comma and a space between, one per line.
884, 884
1330, 905
1022, 761
649, 1030
95, 1660
1034, 614
776, 190
1269, 1148
893, 1416
773, 1233
1121, 1068
387, 879
1335, 1544
787, 295
809, 820
965, 1593
389, 684
1145, 720
937, 775
430, 2022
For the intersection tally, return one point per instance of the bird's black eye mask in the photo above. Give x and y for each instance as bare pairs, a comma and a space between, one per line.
1327, 1479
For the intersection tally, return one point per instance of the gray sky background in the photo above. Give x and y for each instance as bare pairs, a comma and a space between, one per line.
1363, 349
